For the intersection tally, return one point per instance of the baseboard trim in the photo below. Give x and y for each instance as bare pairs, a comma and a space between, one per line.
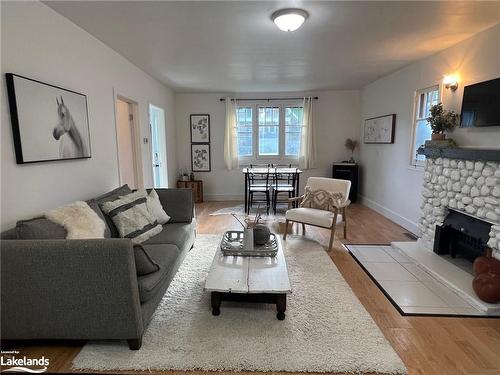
390, 214
223, 197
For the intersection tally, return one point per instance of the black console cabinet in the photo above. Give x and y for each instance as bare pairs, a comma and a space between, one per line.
347, 171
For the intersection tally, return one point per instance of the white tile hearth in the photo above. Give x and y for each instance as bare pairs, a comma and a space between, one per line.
413, 287
412, 294
389, 271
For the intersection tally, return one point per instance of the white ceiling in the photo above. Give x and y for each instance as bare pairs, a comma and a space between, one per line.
235, 47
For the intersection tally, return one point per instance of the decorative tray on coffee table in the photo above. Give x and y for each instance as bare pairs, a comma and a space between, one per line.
232, 244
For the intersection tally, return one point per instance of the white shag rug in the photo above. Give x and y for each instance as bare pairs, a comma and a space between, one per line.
326, 328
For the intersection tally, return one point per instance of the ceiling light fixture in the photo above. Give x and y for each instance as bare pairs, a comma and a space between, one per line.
289, 19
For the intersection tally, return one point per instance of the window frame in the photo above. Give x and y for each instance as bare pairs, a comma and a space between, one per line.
281, 157
414, 163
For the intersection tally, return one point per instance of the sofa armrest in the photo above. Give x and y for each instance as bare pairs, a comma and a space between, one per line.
178, 204
69, 289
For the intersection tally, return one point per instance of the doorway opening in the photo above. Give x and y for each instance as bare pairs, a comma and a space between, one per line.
128, 143
158, 146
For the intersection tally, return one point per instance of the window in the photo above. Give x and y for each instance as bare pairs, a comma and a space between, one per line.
424, 100
244, 120
269, 131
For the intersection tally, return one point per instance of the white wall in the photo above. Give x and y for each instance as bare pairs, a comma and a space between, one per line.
41, 44
388, 183
336, 118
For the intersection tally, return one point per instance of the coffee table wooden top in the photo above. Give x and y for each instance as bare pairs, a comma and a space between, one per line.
237, 274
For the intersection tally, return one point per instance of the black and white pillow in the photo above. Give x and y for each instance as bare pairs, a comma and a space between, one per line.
132, 218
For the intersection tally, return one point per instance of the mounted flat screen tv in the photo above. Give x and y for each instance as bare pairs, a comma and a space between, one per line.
481, 104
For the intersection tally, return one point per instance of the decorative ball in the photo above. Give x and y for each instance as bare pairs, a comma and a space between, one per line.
487, 287
485, 264
261, 235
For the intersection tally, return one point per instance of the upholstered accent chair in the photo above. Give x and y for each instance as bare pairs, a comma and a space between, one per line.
330, 208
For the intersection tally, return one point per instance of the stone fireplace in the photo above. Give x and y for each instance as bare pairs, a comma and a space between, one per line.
466, 181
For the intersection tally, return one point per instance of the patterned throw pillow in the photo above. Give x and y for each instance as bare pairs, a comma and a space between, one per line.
132, 218
320, 199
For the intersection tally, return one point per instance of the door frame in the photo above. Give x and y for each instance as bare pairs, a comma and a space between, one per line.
136, 139
151, 142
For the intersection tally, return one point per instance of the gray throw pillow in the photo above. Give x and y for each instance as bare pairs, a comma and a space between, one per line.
111, 196
132, 218
144, 264
39, 228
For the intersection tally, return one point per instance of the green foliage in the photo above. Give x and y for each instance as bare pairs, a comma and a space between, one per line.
442, 120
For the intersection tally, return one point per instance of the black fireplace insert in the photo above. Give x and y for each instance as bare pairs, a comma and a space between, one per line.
463, 235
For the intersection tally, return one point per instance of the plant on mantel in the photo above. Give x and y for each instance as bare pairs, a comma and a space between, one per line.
441, 121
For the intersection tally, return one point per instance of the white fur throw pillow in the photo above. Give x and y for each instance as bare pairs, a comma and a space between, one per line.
79, 220
155, 207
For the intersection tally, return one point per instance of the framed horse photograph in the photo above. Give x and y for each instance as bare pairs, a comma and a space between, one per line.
49, 123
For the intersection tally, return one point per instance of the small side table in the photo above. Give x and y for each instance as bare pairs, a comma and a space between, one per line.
196, 186
347, 171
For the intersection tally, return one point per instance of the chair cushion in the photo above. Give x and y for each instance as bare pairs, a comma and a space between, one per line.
312, 216
166, 257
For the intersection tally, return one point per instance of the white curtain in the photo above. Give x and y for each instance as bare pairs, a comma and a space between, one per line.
230, 136
308, 150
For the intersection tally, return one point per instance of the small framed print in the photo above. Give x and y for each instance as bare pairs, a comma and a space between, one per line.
379, 129
200, 157
200, 128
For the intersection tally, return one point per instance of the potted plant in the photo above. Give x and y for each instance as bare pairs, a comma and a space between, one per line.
440, 121
351, 144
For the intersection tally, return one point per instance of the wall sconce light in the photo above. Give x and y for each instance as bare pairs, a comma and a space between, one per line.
450, 82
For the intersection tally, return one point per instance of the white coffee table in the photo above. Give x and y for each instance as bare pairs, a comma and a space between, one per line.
249, 279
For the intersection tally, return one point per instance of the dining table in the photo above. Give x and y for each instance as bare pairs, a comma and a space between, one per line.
272, 170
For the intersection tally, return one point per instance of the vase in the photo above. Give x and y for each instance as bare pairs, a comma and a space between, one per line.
261, 235
438, 136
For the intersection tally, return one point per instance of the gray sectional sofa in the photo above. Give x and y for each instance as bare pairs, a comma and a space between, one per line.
53, 288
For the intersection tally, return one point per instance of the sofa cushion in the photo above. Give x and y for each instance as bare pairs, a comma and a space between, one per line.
39, 228
111, 196
166, 257
144, 264
132, 218
312, 216
95, 206
175, 233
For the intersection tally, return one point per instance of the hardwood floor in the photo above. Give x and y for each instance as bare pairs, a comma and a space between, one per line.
427, 345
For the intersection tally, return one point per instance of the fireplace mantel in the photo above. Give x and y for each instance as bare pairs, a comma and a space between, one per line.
460, 153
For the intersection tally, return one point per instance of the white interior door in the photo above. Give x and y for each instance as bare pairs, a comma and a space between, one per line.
158, 146
125, 139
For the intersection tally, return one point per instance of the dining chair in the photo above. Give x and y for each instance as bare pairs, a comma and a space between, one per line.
324, 204
259, 184
283, 183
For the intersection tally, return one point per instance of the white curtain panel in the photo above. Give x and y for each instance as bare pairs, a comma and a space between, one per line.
308, 150
231, 136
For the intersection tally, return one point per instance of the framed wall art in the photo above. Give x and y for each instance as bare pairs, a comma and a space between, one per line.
379, 129
48, 122
200, 128
200, 157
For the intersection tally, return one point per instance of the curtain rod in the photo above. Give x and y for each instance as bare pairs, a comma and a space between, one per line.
267, 99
